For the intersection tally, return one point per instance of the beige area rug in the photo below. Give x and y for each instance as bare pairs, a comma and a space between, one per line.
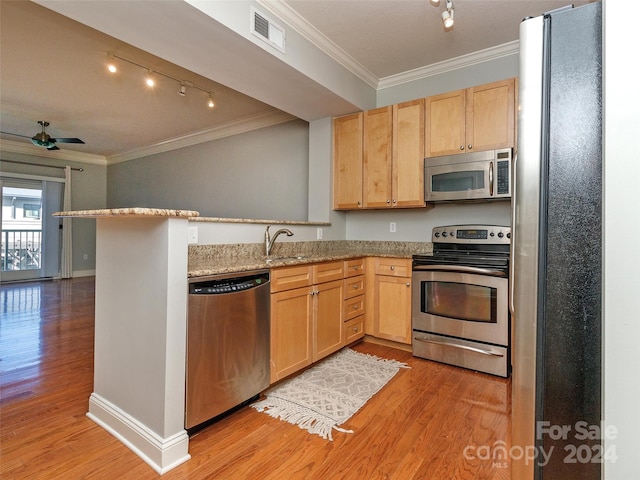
328, 394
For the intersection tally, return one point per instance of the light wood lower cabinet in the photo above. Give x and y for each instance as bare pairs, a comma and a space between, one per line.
306, 315
389, 299
291, 348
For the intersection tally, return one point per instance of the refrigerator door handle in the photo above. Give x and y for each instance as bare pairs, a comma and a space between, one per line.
513, 236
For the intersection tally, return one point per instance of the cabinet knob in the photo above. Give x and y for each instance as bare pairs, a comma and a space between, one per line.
359, 203
355, 307
393, 267
355, 329
355, 287
469, 146
394, 201
388, 201
408, 284
461, 148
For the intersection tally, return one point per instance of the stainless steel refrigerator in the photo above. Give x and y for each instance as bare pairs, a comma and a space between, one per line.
557, 248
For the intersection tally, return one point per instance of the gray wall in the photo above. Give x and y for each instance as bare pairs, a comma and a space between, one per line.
88, 191
262, 174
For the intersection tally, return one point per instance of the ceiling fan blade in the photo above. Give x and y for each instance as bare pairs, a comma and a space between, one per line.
16, 134
67, 140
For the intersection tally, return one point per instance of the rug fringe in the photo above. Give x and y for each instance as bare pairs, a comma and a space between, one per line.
303, 417
379, 360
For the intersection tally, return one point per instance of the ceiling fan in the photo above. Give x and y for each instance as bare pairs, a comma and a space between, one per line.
43, 139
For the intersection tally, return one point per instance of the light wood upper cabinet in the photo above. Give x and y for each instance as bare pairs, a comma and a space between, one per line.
378, 152
408, 155
391, 162
347, 161
445, 124
476, 119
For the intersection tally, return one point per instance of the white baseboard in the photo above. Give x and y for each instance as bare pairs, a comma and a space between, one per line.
83, 273
162, 454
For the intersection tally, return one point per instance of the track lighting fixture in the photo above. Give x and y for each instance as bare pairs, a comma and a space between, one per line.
447, 15
111, 66
150, 79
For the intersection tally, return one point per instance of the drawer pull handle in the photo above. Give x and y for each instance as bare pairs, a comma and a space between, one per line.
355, 307
355, 287
355, 329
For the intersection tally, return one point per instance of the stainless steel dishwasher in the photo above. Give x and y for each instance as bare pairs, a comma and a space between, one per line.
227, 343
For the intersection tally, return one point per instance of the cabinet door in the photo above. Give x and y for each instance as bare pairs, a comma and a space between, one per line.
491, 116
392, 313
378, 128
347, 161
327, 315
291, 348
445, 124
408, 155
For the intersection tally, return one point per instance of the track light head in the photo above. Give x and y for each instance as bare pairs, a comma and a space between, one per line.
111, 66
149, 80
435, 3
183, 90
447, 19
210, 102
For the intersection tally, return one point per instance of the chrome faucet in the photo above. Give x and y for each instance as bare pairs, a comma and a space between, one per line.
268, 241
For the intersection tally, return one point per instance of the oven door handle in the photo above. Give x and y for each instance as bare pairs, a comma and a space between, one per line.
462, 347
459, 268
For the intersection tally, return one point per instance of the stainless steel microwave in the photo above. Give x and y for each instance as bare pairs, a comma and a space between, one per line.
468, 176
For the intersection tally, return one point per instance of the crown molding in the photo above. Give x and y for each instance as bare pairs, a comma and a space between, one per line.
481, 56
11, 146
235, 127
301, 26
313, 35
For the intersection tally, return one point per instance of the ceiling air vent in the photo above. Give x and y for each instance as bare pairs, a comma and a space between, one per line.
265, 29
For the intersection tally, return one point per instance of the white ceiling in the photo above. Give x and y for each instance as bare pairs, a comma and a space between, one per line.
53, 68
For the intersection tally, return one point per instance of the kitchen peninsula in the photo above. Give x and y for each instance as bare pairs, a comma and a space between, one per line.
143, 262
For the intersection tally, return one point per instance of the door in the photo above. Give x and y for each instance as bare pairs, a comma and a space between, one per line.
392, 315
408, 154
378, 126
328, 319
347, 161
30, 235
291, 347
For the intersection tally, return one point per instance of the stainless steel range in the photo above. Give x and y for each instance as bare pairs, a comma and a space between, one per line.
460, 311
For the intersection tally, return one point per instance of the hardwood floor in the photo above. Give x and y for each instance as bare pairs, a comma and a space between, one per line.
428, 422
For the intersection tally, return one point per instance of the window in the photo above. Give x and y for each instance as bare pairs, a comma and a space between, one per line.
31, 210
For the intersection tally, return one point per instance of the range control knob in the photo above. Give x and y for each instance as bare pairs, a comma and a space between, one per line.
500, 234
452, 234
492, 234
444, 234
437, 234
508, 234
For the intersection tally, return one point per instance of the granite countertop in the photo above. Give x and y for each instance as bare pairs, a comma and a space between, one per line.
128, 212
218, 259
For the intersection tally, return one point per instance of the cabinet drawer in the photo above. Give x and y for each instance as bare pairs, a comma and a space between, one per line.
353, 329
353, 286
354, 267
328, 271
353, 307
287, 278
395, 267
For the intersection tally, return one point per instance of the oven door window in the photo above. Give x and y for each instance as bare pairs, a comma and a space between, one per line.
460, 301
